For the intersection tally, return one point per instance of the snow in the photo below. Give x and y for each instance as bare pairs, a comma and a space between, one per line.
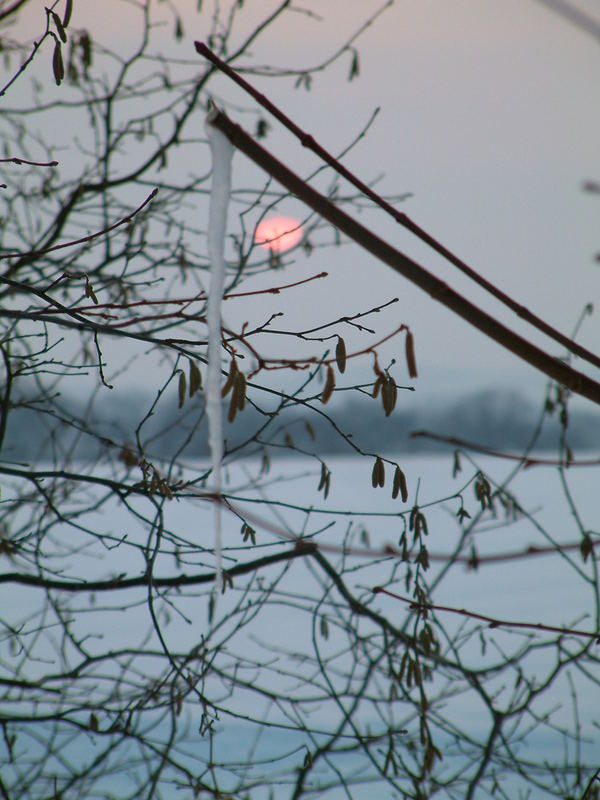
222, 154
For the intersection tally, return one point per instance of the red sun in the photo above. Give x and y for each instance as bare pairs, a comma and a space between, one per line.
278, 233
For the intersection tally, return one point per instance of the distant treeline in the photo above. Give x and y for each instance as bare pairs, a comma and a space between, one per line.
39, 428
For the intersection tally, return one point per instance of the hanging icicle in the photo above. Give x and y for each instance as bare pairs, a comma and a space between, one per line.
222, 153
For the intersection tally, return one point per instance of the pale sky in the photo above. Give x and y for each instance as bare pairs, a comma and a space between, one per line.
489, 117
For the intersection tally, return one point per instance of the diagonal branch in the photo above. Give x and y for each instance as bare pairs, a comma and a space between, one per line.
491, 621
576, 16
84, 239
525, 460
403, 219
405, 266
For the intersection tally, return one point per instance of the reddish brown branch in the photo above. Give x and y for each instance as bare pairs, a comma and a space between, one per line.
389, 549
295, 363
527, 461
276, 289
16, 160
6, 12
85, 239
493, 622
403, 219
405, 266
99, 308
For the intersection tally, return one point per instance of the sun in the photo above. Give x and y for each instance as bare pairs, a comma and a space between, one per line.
278, 233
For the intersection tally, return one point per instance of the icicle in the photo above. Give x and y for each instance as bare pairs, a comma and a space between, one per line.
222, 153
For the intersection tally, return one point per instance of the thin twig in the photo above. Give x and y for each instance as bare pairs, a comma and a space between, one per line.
403, 219
405, 266
587, 795
89, 238
492, 621
527, 461
17, 160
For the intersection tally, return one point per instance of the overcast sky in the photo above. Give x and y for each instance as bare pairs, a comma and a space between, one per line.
489, 117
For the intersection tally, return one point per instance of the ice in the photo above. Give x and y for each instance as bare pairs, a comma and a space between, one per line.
222, 153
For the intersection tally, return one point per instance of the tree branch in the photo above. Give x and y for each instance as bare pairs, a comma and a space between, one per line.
117, 584
405, 266
492, 621
403, 219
